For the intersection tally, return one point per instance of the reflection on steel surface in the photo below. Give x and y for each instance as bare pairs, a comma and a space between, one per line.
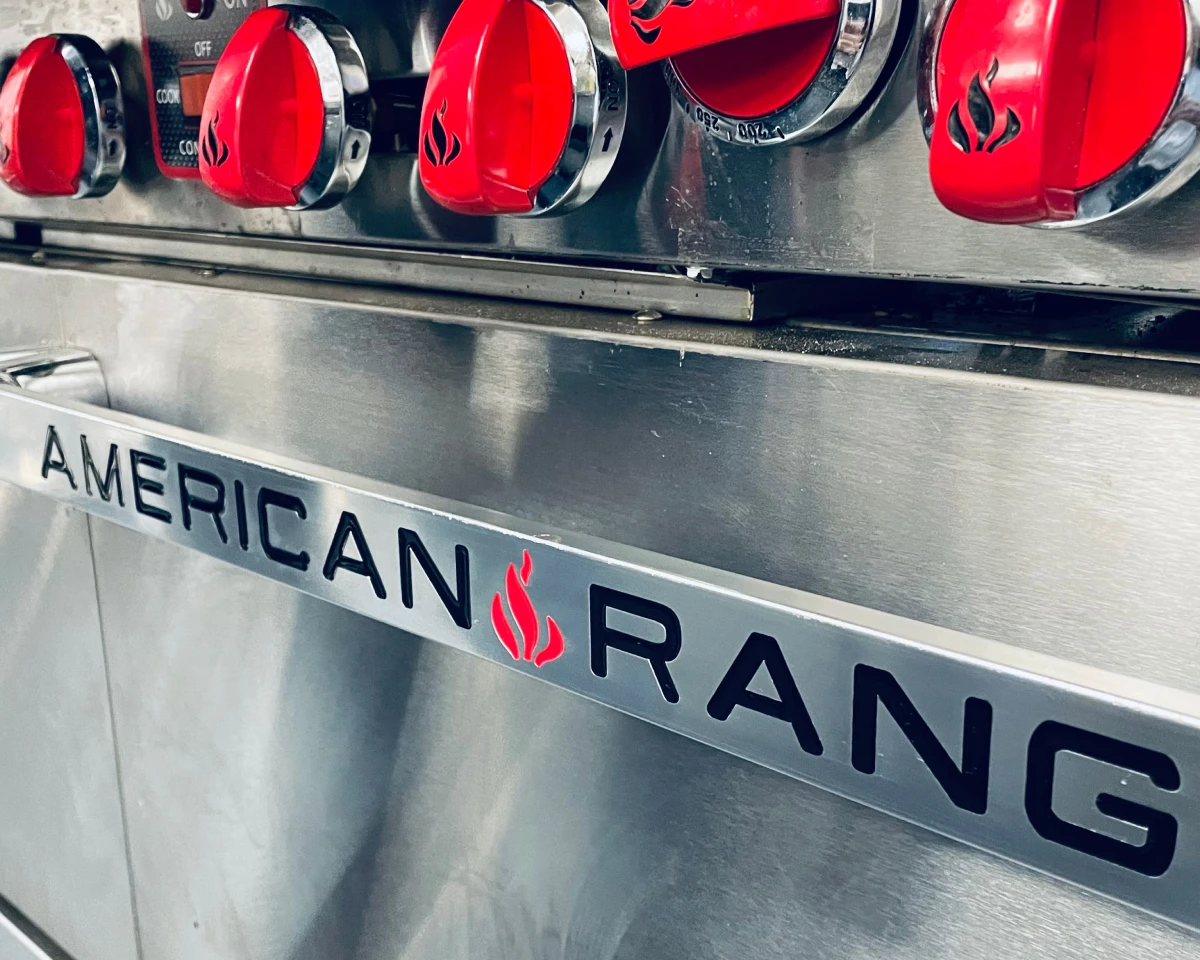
965, 736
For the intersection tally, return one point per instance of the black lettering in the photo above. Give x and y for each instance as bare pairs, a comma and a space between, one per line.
457, 605
733, 691
1154, 856
658, 653
284, 501
189, 501
112, 472
140, 483
967, 787
239, 500
348, 526
59, 465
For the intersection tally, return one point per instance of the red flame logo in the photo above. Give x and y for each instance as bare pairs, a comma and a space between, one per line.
647, 11
215, 150
440, 147
986, 136
526, 618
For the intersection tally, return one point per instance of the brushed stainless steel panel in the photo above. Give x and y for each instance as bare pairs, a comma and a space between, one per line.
599, 597
62, 842
989, 506
856, 202
1056, 518
258, 731
304, 783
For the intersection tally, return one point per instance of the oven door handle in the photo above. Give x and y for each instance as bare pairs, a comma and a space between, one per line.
792, 681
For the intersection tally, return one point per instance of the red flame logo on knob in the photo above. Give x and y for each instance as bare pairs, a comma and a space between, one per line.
526, 617
987, 136
440, 146
215, 150
646, 12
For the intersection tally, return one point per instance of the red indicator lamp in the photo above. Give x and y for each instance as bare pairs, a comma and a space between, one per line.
286, 120
62, 120
1055, 111
523, 112
197, 9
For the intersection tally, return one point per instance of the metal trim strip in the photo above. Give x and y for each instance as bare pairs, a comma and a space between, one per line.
613, 288
21, 939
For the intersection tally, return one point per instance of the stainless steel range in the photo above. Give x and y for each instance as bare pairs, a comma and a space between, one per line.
556, 479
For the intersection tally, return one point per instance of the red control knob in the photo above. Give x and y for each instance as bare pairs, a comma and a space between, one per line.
760, 73
772, 71
286, 121
1057, 110
62, 120
648, 30
524, 110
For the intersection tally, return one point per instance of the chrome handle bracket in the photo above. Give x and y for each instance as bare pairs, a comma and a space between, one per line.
63, 372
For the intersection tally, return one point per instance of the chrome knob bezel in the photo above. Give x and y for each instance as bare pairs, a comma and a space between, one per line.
600, 91
346, 92
103, 113
857, 59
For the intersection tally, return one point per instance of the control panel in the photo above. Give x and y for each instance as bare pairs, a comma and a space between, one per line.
182, 42
863, 137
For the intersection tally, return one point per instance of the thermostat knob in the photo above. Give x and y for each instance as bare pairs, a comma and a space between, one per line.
287, 117
62, 120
